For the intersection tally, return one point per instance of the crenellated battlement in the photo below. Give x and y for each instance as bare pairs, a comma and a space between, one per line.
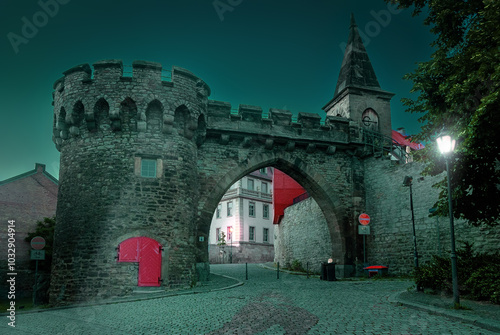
277, 127
91, 100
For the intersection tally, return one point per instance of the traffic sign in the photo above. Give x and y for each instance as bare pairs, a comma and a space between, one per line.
38, 255
364, 219
37, 242
364, 230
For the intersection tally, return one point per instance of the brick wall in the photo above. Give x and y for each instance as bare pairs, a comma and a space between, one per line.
26, 198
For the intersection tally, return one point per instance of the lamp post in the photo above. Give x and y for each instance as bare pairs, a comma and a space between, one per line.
446, 146
408, 182
231, 254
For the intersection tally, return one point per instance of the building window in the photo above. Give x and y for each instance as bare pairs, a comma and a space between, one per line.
266, 235
251, 208
148, 168
217, 234
229, 233
251, 233
264, 187
218, 211
263, 170
265, 211
250, 184
229, 208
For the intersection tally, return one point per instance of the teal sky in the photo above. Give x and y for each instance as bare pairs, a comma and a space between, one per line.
274, 54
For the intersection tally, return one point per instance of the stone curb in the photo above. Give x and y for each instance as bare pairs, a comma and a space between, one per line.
118, 301
289, 272
476, 321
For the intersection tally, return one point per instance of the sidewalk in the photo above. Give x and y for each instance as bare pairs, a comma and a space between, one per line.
217, 282
482, 314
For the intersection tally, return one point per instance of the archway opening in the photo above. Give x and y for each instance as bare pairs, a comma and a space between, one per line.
312, 193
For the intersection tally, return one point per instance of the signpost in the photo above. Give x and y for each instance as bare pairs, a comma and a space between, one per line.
364, 230
37, 243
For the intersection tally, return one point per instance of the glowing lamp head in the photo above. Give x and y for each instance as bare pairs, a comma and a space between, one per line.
445, 144
330, 260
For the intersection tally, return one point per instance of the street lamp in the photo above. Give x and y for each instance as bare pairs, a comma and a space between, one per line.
408, 182
446, 146
231, 254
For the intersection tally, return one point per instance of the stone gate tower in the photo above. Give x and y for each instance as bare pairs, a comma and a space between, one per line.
145, 162
358, 94
128, 168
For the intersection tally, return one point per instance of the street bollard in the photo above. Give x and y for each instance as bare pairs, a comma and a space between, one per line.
307, 269
278, 272
246, 271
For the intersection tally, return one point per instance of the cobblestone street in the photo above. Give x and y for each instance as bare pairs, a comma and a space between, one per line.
263, 305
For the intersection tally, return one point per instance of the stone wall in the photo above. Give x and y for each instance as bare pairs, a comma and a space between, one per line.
246, 252
388, 204
303, 235
390, 242
106, 124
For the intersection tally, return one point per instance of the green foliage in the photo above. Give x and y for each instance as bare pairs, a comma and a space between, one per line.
222, 239
484, 284
296, 266
478, 274
44, 229
459, 93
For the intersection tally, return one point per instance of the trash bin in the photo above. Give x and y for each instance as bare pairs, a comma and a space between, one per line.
322, 275
330, 271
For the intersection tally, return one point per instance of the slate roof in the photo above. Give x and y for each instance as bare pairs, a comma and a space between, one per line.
356, 70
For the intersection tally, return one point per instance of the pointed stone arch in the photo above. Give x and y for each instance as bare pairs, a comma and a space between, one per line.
128, 112
100, 116
75, 118
154, 116
313, 182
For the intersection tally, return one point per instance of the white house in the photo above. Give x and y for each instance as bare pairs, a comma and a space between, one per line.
245, 216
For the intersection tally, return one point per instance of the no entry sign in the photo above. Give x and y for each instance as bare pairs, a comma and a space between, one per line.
37, 243
364, 219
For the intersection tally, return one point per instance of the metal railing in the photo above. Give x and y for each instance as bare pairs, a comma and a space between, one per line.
380, 144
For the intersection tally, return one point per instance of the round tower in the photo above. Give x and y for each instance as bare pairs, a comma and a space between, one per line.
128, 179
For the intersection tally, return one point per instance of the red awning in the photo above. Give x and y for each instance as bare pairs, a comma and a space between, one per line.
285, 189
401, 139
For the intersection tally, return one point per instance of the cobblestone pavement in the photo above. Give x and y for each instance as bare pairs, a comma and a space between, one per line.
263, 305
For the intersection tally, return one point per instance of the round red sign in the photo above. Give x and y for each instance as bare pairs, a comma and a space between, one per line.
37, 242
364, 219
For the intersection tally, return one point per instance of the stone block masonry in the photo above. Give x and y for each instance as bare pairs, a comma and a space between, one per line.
303, 235
109, 128
388, 204
390, 242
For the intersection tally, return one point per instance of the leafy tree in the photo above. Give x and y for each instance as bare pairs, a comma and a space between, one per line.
459, 94
45, 229
222, 239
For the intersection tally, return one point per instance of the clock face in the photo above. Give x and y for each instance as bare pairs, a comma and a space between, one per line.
370, 119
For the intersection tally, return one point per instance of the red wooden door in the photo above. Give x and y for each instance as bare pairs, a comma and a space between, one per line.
149, 262
147, 252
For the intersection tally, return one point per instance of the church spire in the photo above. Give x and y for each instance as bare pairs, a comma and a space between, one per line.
356, 70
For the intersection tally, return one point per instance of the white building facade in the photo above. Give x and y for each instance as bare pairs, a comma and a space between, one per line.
244, 220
